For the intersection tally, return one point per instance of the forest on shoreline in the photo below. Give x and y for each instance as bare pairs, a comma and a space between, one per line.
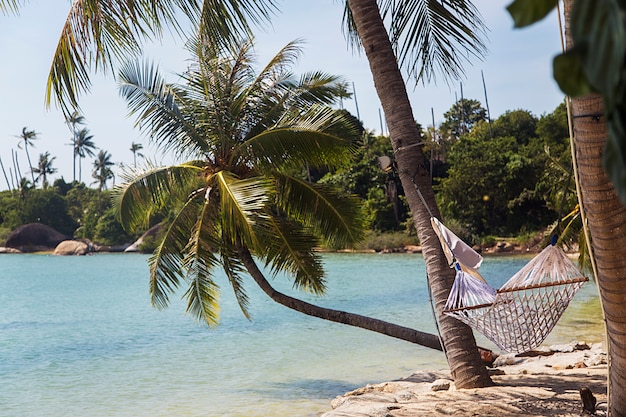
506, 178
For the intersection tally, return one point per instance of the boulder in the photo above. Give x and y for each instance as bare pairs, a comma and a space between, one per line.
72, 247
8, 250
34, 237
151, 232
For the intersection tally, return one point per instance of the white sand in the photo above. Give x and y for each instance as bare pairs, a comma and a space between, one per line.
545, 385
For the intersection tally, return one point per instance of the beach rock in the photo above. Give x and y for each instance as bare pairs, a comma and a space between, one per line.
9, 250
152, 232
72, 247
34, 237
441, 385
504, 360
597, 359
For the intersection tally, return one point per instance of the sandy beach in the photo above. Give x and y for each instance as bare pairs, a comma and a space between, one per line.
544, 384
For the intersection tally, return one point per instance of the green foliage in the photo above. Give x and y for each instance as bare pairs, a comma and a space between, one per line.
595, 63
526, 12
462, 117
49, 208
109, 231
511, 183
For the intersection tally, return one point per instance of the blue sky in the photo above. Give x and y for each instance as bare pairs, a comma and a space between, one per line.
517, 71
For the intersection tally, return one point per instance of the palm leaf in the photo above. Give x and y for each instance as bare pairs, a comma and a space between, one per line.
199, 262
435, 38
288, 247
99, 33
242, 203
234, 269
310, 138
157, 106
166, 264
147, 190
334, 216
11, 6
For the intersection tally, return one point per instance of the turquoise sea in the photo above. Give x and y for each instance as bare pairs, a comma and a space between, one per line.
78, 337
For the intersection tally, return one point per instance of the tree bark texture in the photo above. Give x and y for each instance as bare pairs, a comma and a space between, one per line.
606, 218
463, 357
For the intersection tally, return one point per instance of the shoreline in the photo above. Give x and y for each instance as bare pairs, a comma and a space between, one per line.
545, 382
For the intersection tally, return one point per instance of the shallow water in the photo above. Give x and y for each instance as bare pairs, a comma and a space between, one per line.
78, 337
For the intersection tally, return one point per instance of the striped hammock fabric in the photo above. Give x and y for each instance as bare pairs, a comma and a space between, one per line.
519, 316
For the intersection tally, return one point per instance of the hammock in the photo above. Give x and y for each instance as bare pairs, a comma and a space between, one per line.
520, 315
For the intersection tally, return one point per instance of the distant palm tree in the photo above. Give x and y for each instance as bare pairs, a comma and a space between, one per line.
83, 146
135, 148
73, 121
44, 167
27, 136
101, 169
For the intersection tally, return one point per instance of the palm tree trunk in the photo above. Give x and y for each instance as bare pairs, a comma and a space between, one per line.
337, 316
463, 357
606, 218
5, 175
29, 163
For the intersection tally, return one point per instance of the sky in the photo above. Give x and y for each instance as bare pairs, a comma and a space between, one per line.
516, 69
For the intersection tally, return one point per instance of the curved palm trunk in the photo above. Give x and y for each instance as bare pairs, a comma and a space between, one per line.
337, 316
463, 357
607, 220
606, 217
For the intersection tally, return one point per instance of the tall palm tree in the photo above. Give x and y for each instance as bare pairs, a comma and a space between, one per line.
83, 147
27, 137
135, 148
364, 17
237, 203
102, 171
44, 168
606, 217
73, 121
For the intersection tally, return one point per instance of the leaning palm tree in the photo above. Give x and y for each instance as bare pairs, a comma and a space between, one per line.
237, 203
83, 147
429, 35
44, 168
27, 137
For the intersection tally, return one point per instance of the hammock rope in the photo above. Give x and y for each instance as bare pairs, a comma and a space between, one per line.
519, 316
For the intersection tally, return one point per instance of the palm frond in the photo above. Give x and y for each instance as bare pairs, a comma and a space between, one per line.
11, 6
289, 248
224, 22
157, 106
335, 216
436, 37
316, 87
310, 138
146, 190
242, 204
234, 269
166, 263
199, 262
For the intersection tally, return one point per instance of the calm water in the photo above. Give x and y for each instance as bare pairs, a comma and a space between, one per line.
78, 337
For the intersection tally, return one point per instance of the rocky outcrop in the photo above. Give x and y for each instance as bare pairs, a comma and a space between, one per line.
152, 232
72, 247
34, 237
